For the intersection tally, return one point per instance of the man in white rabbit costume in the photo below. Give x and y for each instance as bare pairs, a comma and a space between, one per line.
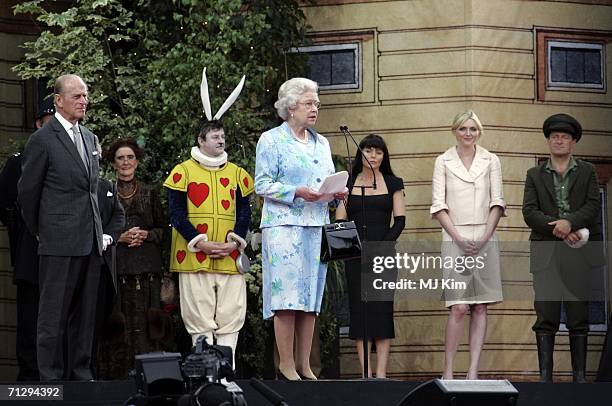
210, 215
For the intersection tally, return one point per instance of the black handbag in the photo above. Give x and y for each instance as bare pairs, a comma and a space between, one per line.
340, 241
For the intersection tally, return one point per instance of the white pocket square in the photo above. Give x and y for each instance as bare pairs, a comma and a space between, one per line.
94, 153
109, 193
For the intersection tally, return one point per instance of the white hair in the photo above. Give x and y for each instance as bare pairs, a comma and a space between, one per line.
290, 92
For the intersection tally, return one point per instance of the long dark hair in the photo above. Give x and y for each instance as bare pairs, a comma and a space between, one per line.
372, 141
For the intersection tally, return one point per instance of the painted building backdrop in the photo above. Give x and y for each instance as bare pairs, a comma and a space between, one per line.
403, 69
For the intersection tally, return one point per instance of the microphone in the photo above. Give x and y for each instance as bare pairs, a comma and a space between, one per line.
267, 392
346, 132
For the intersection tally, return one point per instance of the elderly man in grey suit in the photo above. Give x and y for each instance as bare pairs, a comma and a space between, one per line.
59, 203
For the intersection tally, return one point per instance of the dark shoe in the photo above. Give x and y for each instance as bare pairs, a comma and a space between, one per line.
546, 346
281, 377
305, 378
578, 350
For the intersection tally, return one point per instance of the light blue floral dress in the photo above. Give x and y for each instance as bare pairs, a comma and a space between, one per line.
293, 275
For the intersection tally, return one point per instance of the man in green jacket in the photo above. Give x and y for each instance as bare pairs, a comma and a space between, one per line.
562, 205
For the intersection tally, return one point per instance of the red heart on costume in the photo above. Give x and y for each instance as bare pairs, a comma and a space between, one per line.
245, 181
234, 254
176, 177
180, 256
224, 181
201, 257
202, 228
233, 194
225, 204
197, 193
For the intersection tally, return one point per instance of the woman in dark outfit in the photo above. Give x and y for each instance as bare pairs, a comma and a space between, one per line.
381, 204
138, 268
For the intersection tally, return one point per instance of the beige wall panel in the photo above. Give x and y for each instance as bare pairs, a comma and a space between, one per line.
513, 193
417, 195
420, 218
502, 87
5, 262
514, 234
456, 61
11, 43
8, 372
506, 63
4, 241
7, 288
454, 37
569, 96
427, 88
6, 72
421, 63
514, 168
420, 169
514, 218
12, 92
392, 15
419, 40
11, 116
501, 37
526, 14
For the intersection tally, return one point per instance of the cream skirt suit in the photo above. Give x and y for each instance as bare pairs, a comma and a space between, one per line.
468, 196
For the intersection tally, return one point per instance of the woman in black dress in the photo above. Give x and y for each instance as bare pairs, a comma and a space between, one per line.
380, 203
140, 324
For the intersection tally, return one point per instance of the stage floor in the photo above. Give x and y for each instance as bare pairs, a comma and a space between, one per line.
334, 393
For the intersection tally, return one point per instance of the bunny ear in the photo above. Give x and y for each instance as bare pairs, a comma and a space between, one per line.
230, 100
204, 95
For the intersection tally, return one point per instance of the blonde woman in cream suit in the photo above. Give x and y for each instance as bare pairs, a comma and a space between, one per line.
467, 200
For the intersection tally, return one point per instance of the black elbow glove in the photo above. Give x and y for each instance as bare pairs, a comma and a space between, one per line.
394, 232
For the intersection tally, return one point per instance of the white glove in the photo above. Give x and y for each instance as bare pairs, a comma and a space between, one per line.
584, 238
106, 241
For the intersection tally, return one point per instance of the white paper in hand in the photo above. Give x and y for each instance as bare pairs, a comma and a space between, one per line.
333, 184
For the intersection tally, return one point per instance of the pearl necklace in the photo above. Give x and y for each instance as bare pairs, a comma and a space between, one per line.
299, 139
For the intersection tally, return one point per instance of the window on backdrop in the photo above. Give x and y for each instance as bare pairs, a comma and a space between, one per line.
334, 66
575, 64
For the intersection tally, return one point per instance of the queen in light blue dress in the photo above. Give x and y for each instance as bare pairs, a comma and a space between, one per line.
292, 162
294, 277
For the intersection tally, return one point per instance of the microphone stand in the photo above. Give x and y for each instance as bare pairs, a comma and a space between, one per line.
364, 298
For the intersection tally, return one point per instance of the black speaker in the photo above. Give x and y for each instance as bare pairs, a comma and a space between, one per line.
438, 392
159, 373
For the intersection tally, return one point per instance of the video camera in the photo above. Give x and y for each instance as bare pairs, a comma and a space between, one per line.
203, 378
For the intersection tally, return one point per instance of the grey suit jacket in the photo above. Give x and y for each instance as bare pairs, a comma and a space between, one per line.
58, 194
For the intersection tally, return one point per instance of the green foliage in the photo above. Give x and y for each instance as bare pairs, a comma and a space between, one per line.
144, 64
143, 61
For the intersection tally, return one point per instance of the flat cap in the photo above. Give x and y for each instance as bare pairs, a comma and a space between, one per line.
563, 123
